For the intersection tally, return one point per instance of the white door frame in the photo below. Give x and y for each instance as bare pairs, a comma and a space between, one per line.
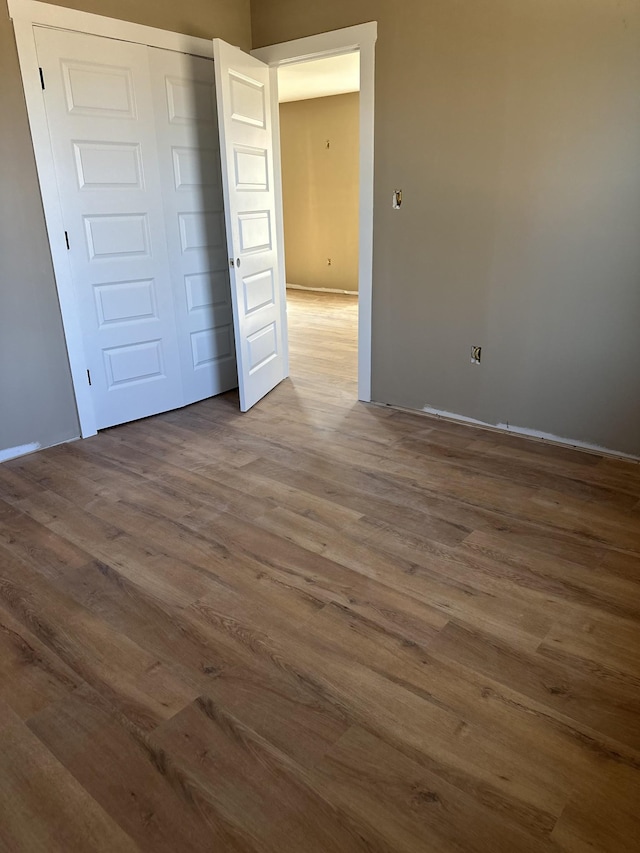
26, 14
363, 39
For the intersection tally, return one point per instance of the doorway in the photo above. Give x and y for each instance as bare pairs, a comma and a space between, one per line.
320, 144
361, 39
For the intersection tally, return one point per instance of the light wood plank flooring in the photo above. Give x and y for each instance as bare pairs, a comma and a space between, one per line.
320, 626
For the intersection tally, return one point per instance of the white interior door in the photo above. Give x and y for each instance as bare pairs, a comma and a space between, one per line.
189, 161
101, 122
135, 144
246, 149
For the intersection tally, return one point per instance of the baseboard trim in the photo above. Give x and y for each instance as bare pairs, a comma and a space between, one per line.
321, 289
20, 450
25, 449
523, 432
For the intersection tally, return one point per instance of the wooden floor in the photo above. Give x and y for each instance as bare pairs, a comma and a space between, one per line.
321, 626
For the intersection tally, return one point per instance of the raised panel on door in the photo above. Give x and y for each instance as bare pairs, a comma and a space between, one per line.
101, 121
189, 159
246, 145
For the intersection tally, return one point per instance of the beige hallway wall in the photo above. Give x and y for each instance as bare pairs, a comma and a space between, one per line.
320, 190
36, 396
513, 128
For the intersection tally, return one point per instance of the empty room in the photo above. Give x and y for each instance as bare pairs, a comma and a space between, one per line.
320, 426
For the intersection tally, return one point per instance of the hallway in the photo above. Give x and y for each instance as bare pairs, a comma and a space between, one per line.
323, 336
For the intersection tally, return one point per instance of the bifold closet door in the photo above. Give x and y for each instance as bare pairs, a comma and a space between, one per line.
99, 104
135, 149
189, 159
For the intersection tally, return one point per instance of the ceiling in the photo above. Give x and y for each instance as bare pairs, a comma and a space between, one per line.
332, 75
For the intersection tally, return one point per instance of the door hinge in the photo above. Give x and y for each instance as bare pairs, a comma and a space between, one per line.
66, 237
41, 78
89, 376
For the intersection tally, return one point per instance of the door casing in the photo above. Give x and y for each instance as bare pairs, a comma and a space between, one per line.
361, 38
26, 14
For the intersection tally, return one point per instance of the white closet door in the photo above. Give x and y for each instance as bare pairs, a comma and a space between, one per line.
99, 104
189, 159
246, 147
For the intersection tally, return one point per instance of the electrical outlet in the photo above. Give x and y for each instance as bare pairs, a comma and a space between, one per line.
476, 353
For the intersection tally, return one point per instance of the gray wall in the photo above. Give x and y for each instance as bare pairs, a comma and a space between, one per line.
513, 128
36, 396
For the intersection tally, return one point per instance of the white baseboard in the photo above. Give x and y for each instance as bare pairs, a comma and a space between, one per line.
536, 435
321, 289
532, 434
21, 450
24, 449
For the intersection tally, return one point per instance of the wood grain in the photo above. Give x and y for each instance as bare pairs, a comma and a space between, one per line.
320, 625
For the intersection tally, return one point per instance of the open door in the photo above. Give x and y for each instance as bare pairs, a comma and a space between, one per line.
248, 180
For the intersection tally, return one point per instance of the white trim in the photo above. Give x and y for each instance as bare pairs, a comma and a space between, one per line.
361, 38
533, 434
321, 289
24, 449
35, 13
21, 450
322, 44
277, 169
26, 14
